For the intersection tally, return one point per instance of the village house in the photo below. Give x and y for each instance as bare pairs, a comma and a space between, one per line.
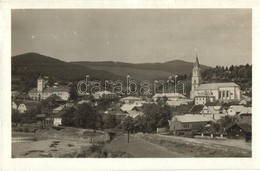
120, 115
29, 106
183, 123
203, 98
168, 96
132, 110
237, 109
240, 131
15, 104
130, 99
57, 119
42, 92
228, 91
104, 95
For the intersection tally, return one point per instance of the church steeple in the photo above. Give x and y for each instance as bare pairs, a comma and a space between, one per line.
196, 74
196, 64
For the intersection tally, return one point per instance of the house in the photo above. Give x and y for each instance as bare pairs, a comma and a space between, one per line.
29, 106
245, 101
168, 96
130, 99
132, 110
120, 115
42, 92
203, 98
182, 123
104, 95
83, 101
57, 119
15, 104
240, 131
58, 109
196, 109
228, 91
237, 109
182, 109
179, 102
213, 110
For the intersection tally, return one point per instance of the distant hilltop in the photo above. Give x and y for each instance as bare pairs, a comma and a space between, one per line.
101, 70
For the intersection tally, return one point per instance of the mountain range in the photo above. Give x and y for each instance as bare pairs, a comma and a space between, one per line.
106, 70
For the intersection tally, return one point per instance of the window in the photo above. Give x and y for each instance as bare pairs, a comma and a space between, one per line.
186, 126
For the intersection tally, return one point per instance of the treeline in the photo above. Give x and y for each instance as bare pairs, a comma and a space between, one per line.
242, 75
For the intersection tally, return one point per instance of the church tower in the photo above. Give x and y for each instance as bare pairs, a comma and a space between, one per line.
40, 84
196, 77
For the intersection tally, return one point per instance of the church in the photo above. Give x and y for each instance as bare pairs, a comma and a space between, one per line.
227, 91
42, 92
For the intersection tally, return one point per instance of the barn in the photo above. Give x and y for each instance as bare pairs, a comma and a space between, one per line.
240, 131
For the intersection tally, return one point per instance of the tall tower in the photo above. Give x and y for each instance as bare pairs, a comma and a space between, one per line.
196, 75
40, 84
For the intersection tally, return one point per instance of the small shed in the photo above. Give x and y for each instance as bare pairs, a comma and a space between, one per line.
240, 131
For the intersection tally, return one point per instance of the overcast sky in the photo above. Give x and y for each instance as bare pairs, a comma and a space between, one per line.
220, 37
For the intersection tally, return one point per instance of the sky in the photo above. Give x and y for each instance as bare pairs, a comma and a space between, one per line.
218, 36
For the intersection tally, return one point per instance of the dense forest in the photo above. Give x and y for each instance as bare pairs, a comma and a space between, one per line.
242, 75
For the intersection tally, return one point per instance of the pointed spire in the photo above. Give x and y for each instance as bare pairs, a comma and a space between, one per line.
196, 64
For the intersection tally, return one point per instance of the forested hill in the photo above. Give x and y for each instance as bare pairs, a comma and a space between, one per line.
242, 75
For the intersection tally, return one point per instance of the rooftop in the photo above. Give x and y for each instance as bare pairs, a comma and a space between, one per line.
192, 118
216, 86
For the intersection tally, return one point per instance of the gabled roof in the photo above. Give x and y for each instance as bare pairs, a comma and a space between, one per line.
31, 103
169, 95
241, 109
52, 89
131, 98
17, 102
244, 126
216, 86
134, 114
127, 107
196, 109
214, 109
59, 108
192, 118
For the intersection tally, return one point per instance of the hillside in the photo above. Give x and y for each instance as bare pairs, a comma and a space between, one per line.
40, 64
26, 68
144, 71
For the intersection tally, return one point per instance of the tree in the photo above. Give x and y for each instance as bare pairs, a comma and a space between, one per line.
15, 116
155, 115
68, 118
128, 124
73, 93
110, 122
227, 120
86, 116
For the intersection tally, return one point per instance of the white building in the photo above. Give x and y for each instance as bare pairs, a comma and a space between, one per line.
169, 96
203, 98
239, 109
42, 92
221, 91
130, 99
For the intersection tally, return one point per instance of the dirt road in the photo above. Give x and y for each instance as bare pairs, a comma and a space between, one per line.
139, 148
159, 146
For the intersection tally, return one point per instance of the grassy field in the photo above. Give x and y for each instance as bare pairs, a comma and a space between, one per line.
155, 146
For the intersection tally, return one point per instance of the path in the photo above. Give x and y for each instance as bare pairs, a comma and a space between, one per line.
139, 148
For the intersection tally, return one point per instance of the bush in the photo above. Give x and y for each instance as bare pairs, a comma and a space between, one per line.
190, 134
